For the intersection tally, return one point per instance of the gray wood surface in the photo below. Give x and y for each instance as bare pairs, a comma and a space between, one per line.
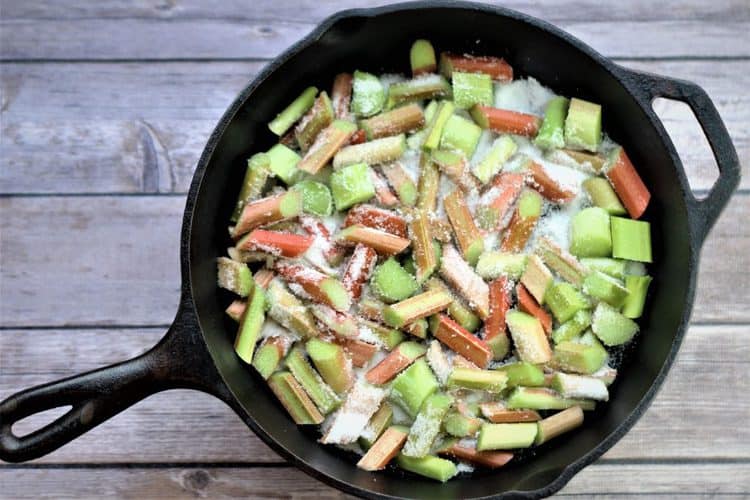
104, 109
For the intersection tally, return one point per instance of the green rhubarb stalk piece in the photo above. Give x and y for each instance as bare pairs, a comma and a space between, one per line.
573, 327
413, 386
616, 268
256, 175
319, 117
383, 150
396, 121
422, 57
435, 126
430, 466
316, 197
402, 183
579, 386
603, 195
368, 94
418, 89
284, 163
579, 358
388, 336
351, 185
522, 373
610, 326
539, 398
289, 311
268, 355
583, 125
529, 337
284, 120
321, 393
458, 310
234, 276
426, 426
378, 423
416, 307
631, 239
550, 134
472, 88
459, 425
332, 364
460, 134
637, 289
506, 436
250, 325
591, 235
564, 300
557, 424
484, 380
429, 111
294, 399
605, 288
493, 264
391, 283
502, 149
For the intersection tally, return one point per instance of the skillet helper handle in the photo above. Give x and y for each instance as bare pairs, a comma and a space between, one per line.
179, 360
703, 213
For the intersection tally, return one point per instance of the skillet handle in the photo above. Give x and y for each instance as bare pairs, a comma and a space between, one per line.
703, 213
179, 360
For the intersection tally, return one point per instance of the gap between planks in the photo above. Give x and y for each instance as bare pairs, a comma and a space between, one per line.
188, 426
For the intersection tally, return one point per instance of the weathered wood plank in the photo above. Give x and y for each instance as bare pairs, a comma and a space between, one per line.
114, 260
90, 135
305, 10
711, 366
234, 31
604, 480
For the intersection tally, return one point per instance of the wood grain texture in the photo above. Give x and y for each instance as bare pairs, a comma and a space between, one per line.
185, 426
602, 480
109, 260
306, 10
190, 30
91, 135
127, 110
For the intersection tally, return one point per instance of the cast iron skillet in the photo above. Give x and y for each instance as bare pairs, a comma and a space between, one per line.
197, 350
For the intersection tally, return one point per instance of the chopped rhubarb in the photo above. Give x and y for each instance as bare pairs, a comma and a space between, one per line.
462, 341
275, 243
505, 121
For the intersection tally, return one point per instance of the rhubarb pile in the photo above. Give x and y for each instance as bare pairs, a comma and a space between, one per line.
444, 263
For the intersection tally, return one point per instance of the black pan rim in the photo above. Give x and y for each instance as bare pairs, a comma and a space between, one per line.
617, 72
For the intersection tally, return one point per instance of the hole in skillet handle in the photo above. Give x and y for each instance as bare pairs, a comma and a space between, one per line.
691, 144
703, 212
179, 360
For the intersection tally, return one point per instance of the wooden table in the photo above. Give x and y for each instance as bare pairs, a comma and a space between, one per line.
105, 107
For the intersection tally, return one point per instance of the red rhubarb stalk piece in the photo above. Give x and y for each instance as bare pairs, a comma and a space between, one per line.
499, 305
547, 186
359, 269
275, 243
505, 121
627, 184
528, 304
341, 95
496, 67
463, 341
377, 218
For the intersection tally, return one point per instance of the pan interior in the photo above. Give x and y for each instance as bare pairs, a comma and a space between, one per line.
380, 44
